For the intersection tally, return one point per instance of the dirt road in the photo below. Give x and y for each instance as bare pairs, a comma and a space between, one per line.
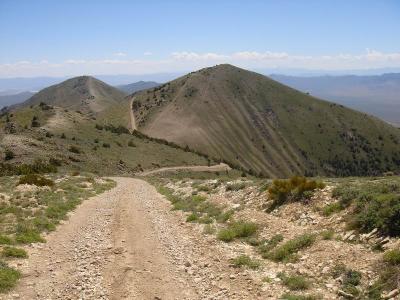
127, 244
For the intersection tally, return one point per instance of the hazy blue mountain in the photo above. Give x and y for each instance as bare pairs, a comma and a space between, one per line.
7, 100
28, 83
137, 86
20, 84
378, 95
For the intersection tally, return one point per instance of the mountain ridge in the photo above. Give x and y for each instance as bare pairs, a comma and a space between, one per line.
263, 126
86, 95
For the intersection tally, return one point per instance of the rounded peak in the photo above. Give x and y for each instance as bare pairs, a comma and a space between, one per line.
82, 78
223, 68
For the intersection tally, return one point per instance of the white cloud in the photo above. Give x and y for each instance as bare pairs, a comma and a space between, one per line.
186, 60
120, 54
147, 53
193, 56
75, 61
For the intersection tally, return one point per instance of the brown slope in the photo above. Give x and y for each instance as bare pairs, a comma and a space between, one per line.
89, 96
256, 123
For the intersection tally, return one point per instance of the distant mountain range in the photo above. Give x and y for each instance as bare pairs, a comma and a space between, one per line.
137, 86
7, 100
378, 95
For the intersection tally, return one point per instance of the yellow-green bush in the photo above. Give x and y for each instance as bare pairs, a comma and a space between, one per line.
296, 188
34, 179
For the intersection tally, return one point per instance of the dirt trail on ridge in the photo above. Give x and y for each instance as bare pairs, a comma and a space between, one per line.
127, 244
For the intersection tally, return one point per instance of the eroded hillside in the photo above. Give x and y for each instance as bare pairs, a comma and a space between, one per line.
260, 125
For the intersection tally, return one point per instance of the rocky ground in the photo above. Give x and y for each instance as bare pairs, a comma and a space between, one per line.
127, 243
316, 263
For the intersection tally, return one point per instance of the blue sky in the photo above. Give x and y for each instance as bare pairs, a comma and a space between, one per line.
132, 37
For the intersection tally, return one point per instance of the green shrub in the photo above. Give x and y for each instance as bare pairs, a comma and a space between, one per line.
238, 229
376, 205
106, 145
235, 186
26, 234
392, 257
226, 235
203, 188
327, 234
224, 216
55, 162
388, 280
209, 229
205, 220
245, 261
346, 194
8, 155
34, 179
286, 251
74, 149
8, 277
192, 217
350, 279
5, 240
43, 224
264, 187
294, 189
23, 169
35, 122
270, 244
294, 282
14, 252
332, 208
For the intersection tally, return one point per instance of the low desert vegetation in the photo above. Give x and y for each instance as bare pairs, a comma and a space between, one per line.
245, 261
331, 208
5, 240
8, 277
74, 149
8, 155
209, 229
14, 252
238, 229
200, 210
290, 190
287, 251
266, 246
392, 257
294, 282
350, 280
235, 186
30, 211
39, 166
328, 234
389, 275
375, 204
352, 196
35, 179
36, 208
